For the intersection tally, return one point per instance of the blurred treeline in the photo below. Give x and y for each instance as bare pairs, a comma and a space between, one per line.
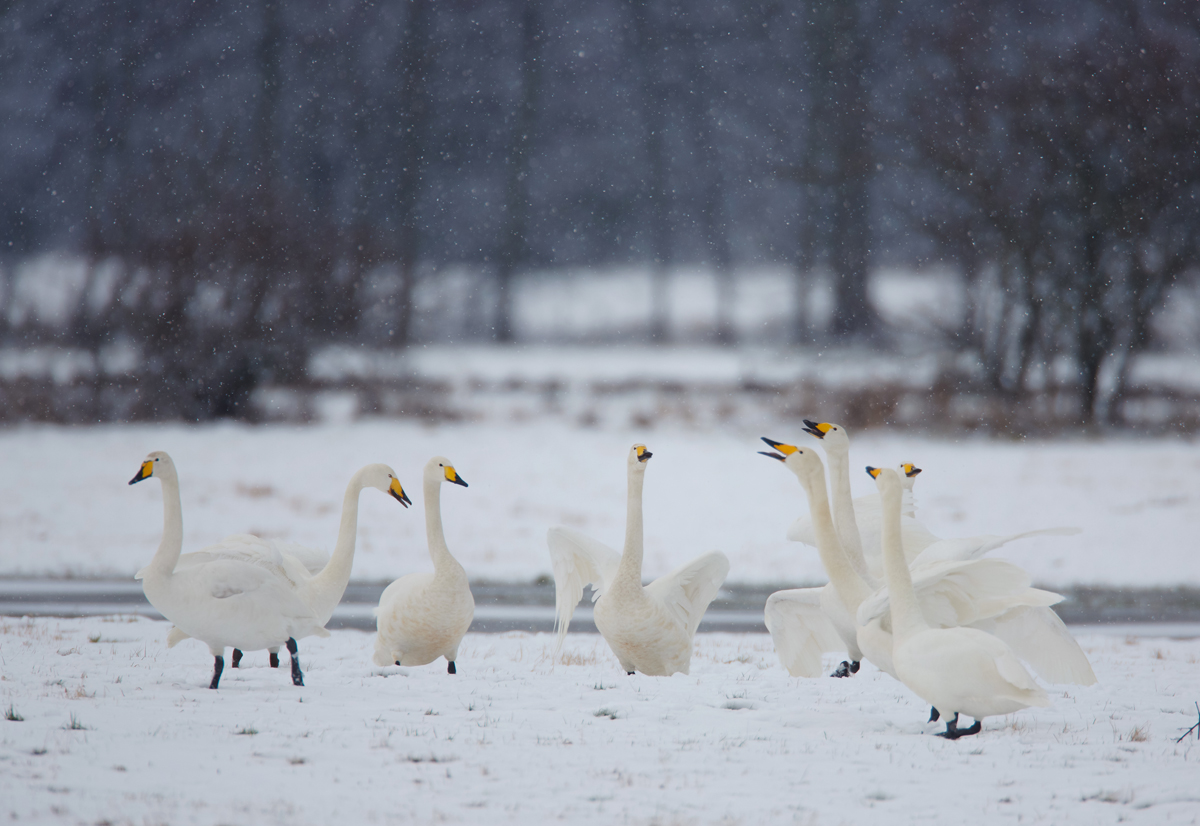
248, 181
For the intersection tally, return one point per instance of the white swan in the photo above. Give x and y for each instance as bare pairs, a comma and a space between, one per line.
424, 616
858, 520
248, 600
956, 670
650, 628
990, 593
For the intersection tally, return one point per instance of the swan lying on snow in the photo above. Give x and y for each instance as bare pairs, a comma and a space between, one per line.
957, 670
244, 594
649, 628
990, 594
424, 616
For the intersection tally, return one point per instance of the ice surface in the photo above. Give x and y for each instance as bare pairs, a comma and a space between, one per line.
66, 508
515, 737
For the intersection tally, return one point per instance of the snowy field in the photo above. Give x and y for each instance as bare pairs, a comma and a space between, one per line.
118, 729
66, 508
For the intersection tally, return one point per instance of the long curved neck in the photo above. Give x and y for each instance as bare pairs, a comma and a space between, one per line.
335, 576
171, 544
852, 588
630, 568
438, 551
843, 513
907, 618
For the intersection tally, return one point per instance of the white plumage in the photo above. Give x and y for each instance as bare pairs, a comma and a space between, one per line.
423, 616
649, 628
244, 593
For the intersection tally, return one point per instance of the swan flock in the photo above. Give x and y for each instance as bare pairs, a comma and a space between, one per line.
961, 630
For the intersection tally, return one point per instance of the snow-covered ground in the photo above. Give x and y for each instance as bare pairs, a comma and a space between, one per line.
118, 729
66, 508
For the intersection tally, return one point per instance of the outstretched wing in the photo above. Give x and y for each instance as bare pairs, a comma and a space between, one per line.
961, 593
578, 560
914, 537
800, 630
687, 591
1039, 637
973, 547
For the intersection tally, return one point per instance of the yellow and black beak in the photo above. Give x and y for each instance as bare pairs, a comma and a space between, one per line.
786, 450
873, 472
642, 453
818, 429
452, 476
144, 472
394, 489
910, 470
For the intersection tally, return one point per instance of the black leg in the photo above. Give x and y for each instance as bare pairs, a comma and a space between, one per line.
297, 677
218, 667
450, 669
933, 715
237, 658
846, 669
953, 732
274, 659
629, 673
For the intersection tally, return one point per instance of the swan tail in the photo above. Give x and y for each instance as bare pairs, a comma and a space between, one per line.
800, 630
577, 560
322, 632
175, 636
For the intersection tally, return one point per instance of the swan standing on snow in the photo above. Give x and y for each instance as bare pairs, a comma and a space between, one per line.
956, 670
242, 593
650, 628
424, 616
804, 623
1026, 623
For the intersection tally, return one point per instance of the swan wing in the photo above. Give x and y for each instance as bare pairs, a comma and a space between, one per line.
958, 593
687, 591
914, 536
800, 630
578, 560
1038, 636
973, 547
250, 589
295, 563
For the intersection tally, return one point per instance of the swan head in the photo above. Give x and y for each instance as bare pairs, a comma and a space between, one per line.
888, 482
908, 474
439, 469
638, 456
833, 437
157, 463
802, 461
381, 477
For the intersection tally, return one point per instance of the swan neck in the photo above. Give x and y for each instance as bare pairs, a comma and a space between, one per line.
335, 576
171, 544
434, 534
631, 558
907, 618
843, 513
849, 584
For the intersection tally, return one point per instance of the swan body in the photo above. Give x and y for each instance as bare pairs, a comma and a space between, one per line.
289, 558
649, 628
956, 670
246, 600
423, 616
